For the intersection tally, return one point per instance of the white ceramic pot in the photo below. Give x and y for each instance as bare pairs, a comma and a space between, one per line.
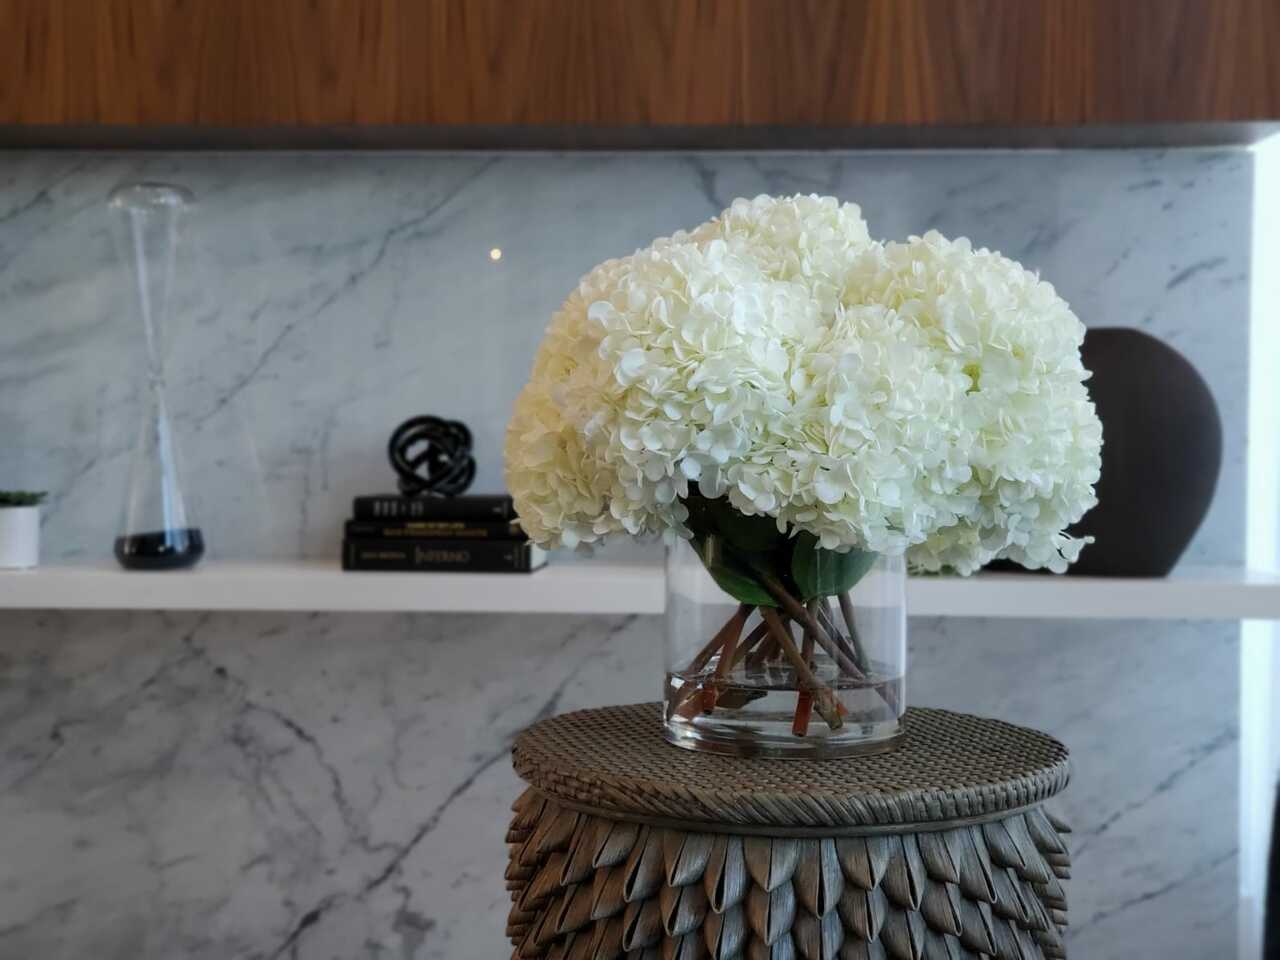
19, 537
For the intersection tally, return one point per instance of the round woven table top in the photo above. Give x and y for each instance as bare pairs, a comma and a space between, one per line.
948, 767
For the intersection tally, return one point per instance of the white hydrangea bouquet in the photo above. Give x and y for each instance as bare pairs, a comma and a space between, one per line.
779, 389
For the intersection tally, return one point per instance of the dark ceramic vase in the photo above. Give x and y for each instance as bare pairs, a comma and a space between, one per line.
1161, 455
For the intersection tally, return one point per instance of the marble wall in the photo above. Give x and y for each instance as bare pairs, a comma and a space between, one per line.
336, 787
326, 297
258, 786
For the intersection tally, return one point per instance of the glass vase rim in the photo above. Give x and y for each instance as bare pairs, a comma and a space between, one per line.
151, 195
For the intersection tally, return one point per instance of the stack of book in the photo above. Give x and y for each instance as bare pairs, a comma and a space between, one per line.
477, 534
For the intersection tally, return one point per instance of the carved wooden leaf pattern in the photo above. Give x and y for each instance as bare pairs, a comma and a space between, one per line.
587, 888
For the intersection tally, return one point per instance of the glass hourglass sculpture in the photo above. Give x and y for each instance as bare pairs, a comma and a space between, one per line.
157, 531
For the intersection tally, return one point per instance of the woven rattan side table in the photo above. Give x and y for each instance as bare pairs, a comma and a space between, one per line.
624, 846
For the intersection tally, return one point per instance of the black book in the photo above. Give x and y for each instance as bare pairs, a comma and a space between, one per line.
393, 506
435, 530
492, 556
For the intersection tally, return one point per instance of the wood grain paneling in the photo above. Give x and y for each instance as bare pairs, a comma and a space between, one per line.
615, 62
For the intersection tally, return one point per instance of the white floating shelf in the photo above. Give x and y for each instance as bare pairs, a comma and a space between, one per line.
573, 587
1205, 593
601, 586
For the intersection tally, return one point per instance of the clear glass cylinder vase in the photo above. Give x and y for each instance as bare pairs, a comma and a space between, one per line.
804, 673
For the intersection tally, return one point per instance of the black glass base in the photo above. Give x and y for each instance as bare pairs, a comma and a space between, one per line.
162, 550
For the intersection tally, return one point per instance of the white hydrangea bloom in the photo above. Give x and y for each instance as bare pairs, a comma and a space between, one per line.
987, 435
917, 397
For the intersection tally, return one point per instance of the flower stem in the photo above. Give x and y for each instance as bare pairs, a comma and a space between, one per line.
829, 624
772, 639
730, 632
846, 610
752, 647
824, 700
797, 610
804, 699
804, 710
764, 651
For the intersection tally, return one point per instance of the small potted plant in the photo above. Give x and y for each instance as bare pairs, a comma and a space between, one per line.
19, 528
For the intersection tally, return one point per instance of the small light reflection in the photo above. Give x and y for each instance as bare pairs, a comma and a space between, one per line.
495, 254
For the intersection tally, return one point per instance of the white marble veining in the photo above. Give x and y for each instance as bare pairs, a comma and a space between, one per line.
226, 786
328, 296
318, 787
256, 786
1149, 712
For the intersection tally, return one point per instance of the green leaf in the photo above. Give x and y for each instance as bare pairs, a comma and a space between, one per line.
732, 546
700, 521
741, 587
824, 573
731, 572
758, 534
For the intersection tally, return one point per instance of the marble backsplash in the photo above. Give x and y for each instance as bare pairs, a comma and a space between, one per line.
337, 787
323, 786
326, 297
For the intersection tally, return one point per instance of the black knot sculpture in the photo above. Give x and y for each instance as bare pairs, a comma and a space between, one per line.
431, 455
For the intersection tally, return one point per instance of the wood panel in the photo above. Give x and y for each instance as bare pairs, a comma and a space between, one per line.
614, 62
